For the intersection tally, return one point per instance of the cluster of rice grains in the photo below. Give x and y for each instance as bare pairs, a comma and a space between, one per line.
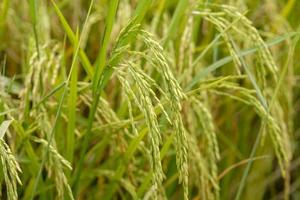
233, 25
140, 90
222, 16
11, 168
55, 167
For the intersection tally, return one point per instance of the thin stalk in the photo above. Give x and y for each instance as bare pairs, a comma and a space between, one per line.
33, 9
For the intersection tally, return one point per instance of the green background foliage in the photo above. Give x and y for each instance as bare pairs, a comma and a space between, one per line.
149, 99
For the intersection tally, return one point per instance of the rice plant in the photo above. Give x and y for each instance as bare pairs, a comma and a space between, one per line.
148, 99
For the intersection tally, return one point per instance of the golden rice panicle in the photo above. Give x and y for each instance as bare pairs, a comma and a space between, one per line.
208, 130
142, 98
55, 166
11, 170
222, 16
282, 151
174, 95
264, 52
42, 73
207, 184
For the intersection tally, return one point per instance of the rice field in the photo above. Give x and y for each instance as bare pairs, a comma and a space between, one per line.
149, 99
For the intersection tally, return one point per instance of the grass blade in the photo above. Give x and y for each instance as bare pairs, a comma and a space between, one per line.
72, 37
33, 14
